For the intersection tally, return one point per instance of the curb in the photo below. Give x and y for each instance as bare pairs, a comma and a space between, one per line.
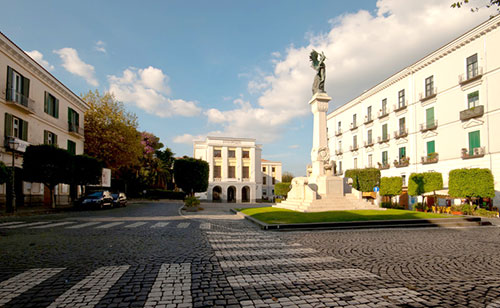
372, 224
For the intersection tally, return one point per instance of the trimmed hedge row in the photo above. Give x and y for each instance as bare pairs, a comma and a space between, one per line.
420, 183
391, 186
471, 183
364, 179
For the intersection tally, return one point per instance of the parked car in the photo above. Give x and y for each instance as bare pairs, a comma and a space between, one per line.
119, 199
97, 199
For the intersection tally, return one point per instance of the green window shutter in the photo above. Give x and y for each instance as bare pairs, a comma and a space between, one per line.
26, 87
77, 119
54, 139
431, 147
24, 131
384, 157
402, 152
384, 131
429, 115
46, 103
56, 108
9, 83
474, 141
70, 116
71, 147
45, 137
8, 124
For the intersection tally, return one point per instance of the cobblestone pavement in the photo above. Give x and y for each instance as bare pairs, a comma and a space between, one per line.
147, 255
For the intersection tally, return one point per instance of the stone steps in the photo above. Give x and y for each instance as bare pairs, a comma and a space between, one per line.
339, 203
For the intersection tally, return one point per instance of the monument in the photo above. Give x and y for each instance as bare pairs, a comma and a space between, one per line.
321, 190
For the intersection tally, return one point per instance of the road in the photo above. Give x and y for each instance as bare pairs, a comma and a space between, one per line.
147, 255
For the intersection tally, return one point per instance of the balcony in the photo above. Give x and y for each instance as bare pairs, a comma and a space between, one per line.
402, 162
428, 126
382, 139
401, 133
369, 143
74, 129
464, 79
368, 119
338, 152
354, 148
383, 166
430, 159
218, 179
20, 101
338, 132
476, 153
401, 107
474, 112
354, 126
427, 96
382, 113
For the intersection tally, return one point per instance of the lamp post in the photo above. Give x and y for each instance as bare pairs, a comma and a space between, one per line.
13, 146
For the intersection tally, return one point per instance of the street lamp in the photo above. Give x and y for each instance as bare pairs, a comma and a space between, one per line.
13, 146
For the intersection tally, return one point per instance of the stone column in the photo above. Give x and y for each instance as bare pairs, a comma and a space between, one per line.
239, 164
224, 173
320, 152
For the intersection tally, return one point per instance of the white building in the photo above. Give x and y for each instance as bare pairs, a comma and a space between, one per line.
440, 113
36, 108
271, 174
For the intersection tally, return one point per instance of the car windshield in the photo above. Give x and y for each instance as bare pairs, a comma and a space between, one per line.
114, 196
95, 195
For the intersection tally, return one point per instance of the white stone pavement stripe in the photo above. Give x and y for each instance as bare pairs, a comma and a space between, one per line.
183, 225
135, 224
205, 226
297, 277
19, 284
11, 223
281, 261
160, 225
172, 287
253, 245
234, 233
56, 224
380, 298
110, 225
28, 224
92, 288
242, 240
234, 253
87, 224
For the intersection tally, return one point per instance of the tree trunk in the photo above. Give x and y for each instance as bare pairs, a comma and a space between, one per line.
52, 197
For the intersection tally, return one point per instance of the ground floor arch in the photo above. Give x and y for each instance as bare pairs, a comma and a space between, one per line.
245, 194
217, 193
231, 194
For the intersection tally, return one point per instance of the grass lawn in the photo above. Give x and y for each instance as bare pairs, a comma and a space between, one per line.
272, 215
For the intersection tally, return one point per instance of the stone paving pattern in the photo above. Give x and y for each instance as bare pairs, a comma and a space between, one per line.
218, 260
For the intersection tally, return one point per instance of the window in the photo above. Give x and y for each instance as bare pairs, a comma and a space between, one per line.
369, 113
431, 147
217, 172
429, 86
263, 169
384, 132
18, 87
245, 154
354, 120
340, 146
370, 160
402, 152
274, 180
403, 177
264, 180
217, 153
340, 167
16, 127
355, 142
384, 106
231, 153
472, 67
273, 169
73, 120
49, 138
385, 158
71, 147
340, 126
473, 99
402, 126
401, 98
474, 141
429, 117
231, 172
246, 172
355, 163
51, 105
370, 136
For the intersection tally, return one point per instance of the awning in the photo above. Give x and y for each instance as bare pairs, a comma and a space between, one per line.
443, 193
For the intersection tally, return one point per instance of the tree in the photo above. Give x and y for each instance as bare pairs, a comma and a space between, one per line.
85, 170
282, 189
287, 177
492, 3
166, 158
416, 184
4, 173
111, 132
191, 175
364, 179
471, 183
47, 164
391, 186
433, 181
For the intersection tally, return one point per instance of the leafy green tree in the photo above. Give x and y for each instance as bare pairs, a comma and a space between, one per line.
391, 186
166, 158
416, 184
4, 173
364, 179
47, 164
471, 183
286, 177
85, 170
492, 3
433, 181
353, 174
191, 175
282, 189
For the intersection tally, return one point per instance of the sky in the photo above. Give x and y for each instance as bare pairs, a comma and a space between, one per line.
189, 69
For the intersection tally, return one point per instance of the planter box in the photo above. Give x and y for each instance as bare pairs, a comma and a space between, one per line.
456, 213
471, 113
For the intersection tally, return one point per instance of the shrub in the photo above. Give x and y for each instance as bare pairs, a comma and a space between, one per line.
419, 206
470, 183
364, 179
165, 194
391, 186
432, 181
282, 189
486, 213
4, 173
467, 209
191, 201
353, 174
191, 175
416, 184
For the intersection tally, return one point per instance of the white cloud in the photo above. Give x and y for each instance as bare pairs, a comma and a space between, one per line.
294, 146
362, 49
187, 138
38, 57
148, 89
73, 64
100, 46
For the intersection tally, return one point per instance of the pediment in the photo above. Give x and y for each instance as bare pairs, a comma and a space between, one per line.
429, 134
401, 141
472, 123
384, 145
369, 149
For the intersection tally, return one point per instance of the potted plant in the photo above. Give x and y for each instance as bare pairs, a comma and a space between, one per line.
456, 210
419, 207
191, 204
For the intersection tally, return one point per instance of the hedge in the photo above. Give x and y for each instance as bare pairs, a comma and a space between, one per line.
391, 186
364, 179
282, 189
471, 183
420, 183
165, 194
4, 173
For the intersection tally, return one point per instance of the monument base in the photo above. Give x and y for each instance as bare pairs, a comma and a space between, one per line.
320, 194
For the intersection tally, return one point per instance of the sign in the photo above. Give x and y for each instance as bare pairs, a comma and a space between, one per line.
376, 189
106, 177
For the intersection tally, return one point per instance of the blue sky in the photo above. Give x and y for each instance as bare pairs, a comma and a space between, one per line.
231, 68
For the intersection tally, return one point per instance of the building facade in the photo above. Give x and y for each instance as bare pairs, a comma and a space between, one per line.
36, 108
438, 114
271, 174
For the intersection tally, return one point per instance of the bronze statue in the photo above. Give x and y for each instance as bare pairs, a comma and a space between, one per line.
318, 63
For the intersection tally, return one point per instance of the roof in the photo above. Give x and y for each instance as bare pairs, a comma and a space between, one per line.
270, 162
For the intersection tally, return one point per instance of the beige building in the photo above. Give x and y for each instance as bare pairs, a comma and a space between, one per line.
438, 114
271, 174
36, 108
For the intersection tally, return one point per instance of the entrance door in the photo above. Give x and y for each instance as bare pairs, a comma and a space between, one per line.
245, 194
231, 194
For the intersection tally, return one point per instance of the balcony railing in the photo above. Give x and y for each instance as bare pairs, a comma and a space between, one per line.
75, 129
476, 153
338, 152
428, 126
465, 78
368, 119
217, 179
401, 133
21, 100
428, 95
382, 140
401, 107
383, 166
430, 159
474, 112
354, 126
383, 113
402, 162
354, 148
338, 132
369, 143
